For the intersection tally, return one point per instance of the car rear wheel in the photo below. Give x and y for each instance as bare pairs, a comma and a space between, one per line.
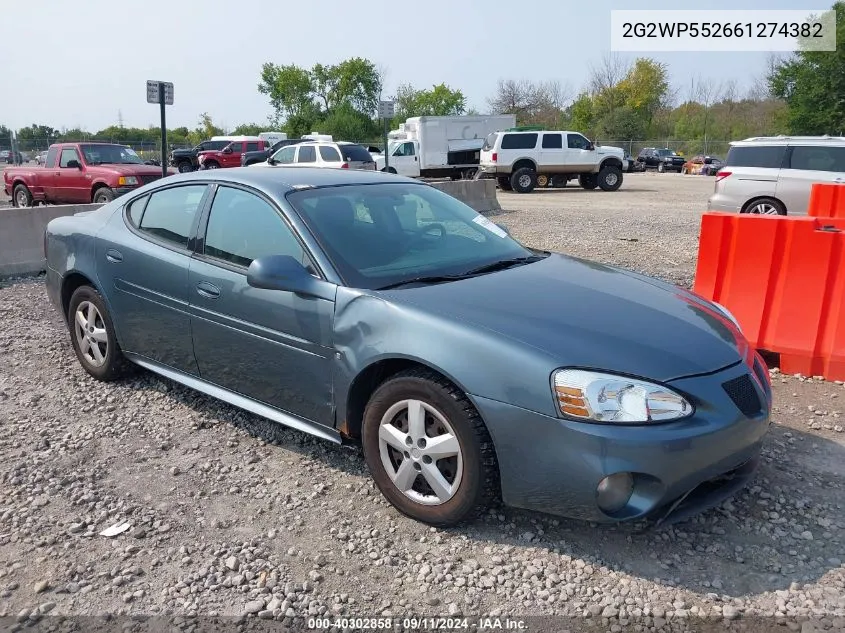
524, 180
610, 178
765, 206
103, 195
93, 337
428, 450
504, 183
211, 165
588, 181
22, 196
185, 167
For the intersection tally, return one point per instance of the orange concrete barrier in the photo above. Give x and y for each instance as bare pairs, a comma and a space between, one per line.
827, 200
783, 278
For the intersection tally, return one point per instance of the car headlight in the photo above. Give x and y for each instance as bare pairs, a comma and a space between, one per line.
599, 397
730, 317
127, 181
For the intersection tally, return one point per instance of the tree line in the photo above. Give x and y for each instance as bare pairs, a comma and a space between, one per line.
802, 93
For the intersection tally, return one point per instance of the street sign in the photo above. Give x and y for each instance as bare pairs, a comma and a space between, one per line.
386, 109
152, 92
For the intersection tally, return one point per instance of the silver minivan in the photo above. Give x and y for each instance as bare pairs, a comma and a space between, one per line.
773, 175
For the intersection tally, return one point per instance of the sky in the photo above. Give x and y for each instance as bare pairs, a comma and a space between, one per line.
85, 63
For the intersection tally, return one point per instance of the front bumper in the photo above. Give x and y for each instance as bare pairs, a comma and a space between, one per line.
554, 465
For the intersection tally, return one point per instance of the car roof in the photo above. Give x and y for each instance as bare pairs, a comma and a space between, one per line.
284, 179
789, 140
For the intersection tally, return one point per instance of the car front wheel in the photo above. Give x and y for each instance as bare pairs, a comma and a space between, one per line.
610, 178
428, 449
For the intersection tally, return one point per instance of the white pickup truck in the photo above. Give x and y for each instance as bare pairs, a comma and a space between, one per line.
440, 146
523, 160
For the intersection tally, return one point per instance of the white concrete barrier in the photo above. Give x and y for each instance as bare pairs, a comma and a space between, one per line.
478, 194
22, 236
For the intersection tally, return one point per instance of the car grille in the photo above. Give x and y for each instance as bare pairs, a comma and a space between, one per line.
145, 180
741, 390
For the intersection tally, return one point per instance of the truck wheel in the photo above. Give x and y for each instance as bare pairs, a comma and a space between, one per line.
103, 195
389, 170
588, 181
542, 180
524, 180
610, 178
210, 164
558, 182
504, 183
185, 166
22, 197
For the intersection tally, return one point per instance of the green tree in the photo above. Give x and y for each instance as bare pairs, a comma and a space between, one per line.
644, 92
440, 100
249, 129
812, 83
345, 122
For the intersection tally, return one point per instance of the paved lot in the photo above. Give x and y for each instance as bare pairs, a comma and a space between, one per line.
232, 515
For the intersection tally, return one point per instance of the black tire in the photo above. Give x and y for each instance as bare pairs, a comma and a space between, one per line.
588, 181
212, 164
771, 206
524, 180
103, 195
504, 183
558, 182
114, 365
610, 178
389, 170
184, 166
21, 196
479, 484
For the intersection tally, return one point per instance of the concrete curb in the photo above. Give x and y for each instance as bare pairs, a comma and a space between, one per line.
22, 236
478, 194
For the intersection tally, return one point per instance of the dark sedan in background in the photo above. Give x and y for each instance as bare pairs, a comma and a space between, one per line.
362, 306
661, 159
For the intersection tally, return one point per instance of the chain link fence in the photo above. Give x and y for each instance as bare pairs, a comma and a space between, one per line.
714, 148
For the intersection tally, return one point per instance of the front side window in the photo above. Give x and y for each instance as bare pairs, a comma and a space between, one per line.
68, 154
383, 234
243, 227
576, 141
170, 213
285, 155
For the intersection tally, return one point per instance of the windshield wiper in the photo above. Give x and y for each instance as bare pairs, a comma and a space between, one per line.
503, 264
432, 279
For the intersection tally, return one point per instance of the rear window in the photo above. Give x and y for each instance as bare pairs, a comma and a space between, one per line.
490, 141
769, 156
355, 153
519, 141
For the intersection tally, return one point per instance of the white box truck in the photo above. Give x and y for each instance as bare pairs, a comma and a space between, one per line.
440, 146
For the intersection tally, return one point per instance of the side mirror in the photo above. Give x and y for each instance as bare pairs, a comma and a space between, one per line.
283, 272
271, 161
74, 164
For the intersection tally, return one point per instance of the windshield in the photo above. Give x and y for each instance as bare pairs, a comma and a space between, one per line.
379, 235
666, 152
490, 141
110, 154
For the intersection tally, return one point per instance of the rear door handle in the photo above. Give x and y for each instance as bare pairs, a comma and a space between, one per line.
207, 290
114, 256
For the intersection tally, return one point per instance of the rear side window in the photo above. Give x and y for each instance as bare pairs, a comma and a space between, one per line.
355, 153
815, 158
254, 146
519, 141
307, 154
329, 154
170, 213
768, 156
552, 141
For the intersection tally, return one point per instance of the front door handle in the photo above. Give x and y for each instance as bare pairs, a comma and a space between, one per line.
115, 257
207, 290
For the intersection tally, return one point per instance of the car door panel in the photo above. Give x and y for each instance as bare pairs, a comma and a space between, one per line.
150, 281
405, 160
553, 156
806, 165
272, 346
71, 184
578, 157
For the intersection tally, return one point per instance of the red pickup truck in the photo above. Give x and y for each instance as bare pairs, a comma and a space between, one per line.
230, 156
76, 173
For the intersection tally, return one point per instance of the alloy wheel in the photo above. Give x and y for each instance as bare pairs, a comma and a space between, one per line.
420, 452
91, 335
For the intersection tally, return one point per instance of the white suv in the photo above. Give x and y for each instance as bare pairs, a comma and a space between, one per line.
523, 160
773, 175
338, 155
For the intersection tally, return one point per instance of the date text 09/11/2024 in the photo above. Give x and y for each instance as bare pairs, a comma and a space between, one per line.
417, 624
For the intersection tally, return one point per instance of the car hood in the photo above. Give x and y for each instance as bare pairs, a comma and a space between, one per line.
610, 150
589, 315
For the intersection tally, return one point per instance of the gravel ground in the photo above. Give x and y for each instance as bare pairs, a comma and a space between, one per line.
233, 517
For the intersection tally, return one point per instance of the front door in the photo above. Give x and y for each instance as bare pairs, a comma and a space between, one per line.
269, 345
147, 268
405, 160
578, 156
70, 182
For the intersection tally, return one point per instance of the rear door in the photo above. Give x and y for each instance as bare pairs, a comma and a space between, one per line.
306, 156
552, 153
357, 157
805, 165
